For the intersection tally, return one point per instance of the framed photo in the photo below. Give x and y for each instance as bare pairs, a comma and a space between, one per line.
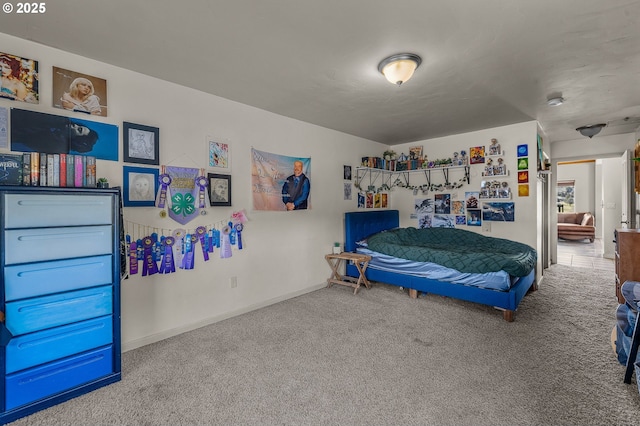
78, 92
347, 172
19, 79
219, 189
218, 154
415, 153
141, 144
140, 185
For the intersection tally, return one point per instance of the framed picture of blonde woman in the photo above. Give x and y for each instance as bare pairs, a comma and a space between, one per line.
79, 92
219, 189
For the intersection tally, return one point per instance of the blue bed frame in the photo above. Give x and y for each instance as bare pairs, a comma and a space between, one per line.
359, 225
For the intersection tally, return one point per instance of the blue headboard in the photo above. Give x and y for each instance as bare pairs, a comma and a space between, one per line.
360, 225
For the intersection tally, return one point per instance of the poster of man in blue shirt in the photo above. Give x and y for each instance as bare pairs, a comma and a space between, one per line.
295, 190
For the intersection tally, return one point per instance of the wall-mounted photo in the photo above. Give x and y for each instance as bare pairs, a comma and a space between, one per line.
19, 79
218, 154
79, 92
54, 134
141, 143
280, 182
140, 186
347, 172
219, 189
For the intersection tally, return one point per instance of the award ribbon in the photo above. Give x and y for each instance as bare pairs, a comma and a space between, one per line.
232, 234
188, 259
164, 180
201, 233
239, 228
216, 237
201, 183
168, 266
133, 258
225, 243
139, 249
178, 236
149, 266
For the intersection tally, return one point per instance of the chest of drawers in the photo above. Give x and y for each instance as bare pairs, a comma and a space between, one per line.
59, 295
627, 258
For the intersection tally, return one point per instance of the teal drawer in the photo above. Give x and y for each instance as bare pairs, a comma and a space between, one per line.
41, 244
46, 210
44, 346
39, 313
58, 376
39, 279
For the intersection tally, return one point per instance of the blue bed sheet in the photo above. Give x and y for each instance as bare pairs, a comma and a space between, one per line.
500, 280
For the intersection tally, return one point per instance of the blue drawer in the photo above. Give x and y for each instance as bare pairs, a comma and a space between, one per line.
26, 210
37, 245
58, 376
29, 315
39, 279
48, 345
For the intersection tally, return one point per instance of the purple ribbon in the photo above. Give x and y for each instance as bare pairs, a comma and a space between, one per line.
201, 181
165, 181
201, 231
133, 258
239, 228
168, 266
149, 266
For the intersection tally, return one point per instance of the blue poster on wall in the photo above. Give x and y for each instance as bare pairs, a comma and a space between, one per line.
55, 134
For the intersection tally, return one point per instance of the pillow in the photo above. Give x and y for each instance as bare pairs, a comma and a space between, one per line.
362, 243
586, 219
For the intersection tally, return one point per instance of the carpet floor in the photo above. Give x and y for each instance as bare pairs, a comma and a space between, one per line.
381, 358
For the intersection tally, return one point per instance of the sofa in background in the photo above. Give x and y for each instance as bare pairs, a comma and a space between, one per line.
576, 226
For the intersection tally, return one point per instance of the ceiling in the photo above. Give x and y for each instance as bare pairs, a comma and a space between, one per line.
485, 63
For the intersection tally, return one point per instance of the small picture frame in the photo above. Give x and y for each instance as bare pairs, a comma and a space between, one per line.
219, 190
415, 153
141, 144
140, 185
218, 154
346, 172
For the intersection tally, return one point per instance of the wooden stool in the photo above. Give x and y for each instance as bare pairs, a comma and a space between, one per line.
360, 260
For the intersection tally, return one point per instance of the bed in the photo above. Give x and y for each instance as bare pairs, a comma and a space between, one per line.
499, 289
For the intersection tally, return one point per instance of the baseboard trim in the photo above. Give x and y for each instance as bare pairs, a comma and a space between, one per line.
147, 340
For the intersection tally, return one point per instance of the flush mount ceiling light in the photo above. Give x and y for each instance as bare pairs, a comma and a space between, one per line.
555, 101
591, 130
399, 68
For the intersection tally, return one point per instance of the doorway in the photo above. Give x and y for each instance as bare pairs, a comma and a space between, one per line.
590, 182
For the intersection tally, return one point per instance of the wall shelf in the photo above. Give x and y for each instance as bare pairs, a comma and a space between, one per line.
390, 177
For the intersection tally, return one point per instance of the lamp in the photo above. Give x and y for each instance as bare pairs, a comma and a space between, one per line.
591, 130
555, 101
399, 68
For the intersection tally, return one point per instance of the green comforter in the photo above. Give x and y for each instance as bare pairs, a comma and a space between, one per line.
458, 249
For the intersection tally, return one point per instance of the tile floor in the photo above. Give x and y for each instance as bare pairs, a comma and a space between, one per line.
583, 254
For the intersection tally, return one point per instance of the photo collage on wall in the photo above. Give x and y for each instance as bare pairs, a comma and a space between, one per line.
490, 203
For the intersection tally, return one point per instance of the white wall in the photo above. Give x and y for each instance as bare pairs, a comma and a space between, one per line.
283, 253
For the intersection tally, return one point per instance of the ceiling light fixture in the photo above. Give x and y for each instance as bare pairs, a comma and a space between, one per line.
591, 130
555, 101
399, 68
